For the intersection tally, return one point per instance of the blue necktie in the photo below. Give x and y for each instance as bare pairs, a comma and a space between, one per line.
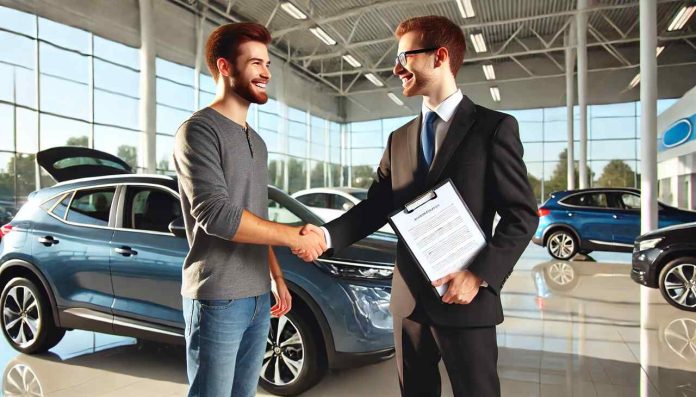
428, 137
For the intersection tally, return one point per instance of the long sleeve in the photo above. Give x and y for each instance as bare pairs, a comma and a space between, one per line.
514, 201
198, 165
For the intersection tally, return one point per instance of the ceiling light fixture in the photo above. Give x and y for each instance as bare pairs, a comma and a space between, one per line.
479, 43
374, 79
495, 93
489, 72
323, 36
352, 61
465, 8
681, 18
292, 10
395, 99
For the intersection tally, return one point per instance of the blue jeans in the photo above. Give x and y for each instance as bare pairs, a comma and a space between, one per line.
225, 343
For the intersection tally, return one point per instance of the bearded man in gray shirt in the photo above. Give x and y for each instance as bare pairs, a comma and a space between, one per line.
221, 165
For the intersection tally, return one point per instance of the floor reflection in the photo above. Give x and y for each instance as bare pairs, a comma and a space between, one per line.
571, 328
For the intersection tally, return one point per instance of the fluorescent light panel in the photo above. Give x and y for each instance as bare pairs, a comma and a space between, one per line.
292, 10
395, 99
681, 18
635, 81
489, 72
374, 79
352, 61
659, 50
479, 43
495, 93
323, 36
465, 8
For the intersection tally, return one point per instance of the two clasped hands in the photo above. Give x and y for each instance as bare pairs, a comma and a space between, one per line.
462, 289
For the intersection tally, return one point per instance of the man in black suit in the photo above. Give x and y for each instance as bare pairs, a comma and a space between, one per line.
480, 151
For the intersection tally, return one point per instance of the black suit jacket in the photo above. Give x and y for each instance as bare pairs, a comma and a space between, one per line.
482, 154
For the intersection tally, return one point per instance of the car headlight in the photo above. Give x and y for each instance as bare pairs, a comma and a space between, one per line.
648, 244
372, 304
355, 270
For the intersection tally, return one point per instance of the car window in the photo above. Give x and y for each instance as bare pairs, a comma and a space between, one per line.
91, 207
318, 200
588, 200
341, 203
360, 195
630, 201
279, 213
150, 209
62, 207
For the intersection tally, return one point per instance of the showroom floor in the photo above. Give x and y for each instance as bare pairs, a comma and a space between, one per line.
571, 328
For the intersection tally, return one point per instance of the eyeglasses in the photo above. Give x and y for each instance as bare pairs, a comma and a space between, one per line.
401, 57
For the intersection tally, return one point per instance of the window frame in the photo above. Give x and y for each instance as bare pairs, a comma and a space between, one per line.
122, 206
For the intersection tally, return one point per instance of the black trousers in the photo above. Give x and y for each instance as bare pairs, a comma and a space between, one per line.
470, 356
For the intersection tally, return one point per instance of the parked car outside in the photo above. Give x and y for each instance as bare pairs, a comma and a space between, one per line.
601, 219
104, 253
330, 203
666, 259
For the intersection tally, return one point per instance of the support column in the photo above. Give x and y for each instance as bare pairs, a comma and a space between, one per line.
147, 160
582, 90
570, 42
198, 62
648, 163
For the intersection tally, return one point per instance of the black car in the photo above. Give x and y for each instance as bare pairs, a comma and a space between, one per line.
666, 259
103, 249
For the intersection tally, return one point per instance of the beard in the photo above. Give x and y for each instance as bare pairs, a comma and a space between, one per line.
248, 92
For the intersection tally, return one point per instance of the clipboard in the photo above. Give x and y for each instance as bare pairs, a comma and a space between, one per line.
440, 233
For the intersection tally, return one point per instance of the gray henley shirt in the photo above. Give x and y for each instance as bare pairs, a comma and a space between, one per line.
222, 170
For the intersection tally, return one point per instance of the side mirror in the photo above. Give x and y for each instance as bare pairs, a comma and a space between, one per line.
177, 227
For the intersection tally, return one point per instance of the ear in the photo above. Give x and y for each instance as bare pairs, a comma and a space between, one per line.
441, 57
224, 67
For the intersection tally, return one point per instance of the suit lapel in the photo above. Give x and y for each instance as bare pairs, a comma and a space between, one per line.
463, 118
413, 138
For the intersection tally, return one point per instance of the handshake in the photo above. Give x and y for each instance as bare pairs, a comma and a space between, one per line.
309, 243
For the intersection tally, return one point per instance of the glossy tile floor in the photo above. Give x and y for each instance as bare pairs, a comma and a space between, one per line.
571, 329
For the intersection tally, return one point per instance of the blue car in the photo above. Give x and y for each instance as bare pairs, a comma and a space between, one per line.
586, 220
103, 250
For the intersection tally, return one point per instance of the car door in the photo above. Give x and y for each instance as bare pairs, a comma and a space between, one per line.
146, 258
71, 244
588, 213
627, 225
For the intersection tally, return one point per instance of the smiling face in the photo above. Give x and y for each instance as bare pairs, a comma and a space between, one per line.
419, 75
250, 72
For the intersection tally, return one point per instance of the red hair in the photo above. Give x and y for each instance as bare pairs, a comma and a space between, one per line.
437, 31
224, 42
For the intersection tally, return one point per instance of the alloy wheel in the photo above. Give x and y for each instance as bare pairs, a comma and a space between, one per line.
680, 285
562, 245
284, 357
561, 273
21, 316
680, 336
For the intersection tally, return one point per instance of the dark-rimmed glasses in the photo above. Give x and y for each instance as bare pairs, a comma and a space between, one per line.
401, 57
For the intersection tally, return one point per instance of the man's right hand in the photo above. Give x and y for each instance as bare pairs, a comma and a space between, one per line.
310, 244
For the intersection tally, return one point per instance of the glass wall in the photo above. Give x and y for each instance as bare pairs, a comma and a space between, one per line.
612, 149
64, 86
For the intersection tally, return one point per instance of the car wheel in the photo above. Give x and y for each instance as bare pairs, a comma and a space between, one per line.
560, 276
20, 380
562, 244
292, 362
27, 320
678, 283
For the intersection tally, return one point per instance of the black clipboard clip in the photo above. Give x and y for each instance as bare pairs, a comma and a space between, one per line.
419, 201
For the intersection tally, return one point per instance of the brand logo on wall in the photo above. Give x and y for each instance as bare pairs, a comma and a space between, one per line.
679, 132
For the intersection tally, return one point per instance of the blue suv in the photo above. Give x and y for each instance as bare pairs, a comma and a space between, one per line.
104, 252
602, 219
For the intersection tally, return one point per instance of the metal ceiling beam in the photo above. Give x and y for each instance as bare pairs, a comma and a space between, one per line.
526, 78
523, 53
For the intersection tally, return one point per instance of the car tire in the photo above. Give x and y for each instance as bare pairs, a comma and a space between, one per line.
27, 318
562, 244
286, 379
678, 283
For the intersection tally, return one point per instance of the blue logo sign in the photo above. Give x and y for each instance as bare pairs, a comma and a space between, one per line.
679, 132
